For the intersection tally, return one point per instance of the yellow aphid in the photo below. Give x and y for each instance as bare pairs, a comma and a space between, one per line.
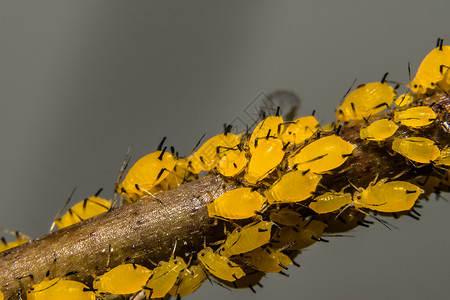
330, 201
367, 100
20, 239
206, 156
1, 296
415, 117
188, 281
299, 238
123, 279
219, 265
294, 186
240, 203
266, 156
444, 157
146, 173
231, 162
245, 239
272, 126
322, 155
252, 277
267, 260
417, 149
300, 130
404, 99
164, 277
179, 175
394, 196
378, 130
286, 216
431, 72
58, 288
83, 210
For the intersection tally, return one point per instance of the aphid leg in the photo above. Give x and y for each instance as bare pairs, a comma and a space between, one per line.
148, 193
62, 208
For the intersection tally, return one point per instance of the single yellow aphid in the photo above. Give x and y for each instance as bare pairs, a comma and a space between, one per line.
272, 125
394, 196
58, 288
322, 155
83, 210
294, 186
188, 281
240, 203
20, 239
123, 279
330, 201
267, 260
415, 117
378, 130
266, 156
219, 265
404, 99
300, 130
444, 157
286, 216
365, 101
146, 173
246, 239
433, 69
291, 238
231, 162
164, 276
417, 149
206, 156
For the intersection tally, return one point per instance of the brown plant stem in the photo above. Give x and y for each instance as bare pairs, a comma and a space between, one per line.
146, 231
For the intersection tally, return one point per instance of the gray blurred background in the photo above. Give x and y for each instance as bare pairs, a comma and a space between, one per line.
80, 81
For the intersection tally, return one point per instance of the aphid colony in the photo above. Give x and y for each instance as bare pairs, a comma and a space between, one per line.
281, 203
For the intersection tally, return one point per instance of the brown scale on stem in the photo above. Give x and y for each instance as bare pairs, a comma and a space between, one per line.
145, 231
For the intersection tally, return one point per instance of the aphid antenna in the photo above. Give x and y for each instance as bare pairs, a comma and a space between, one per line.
125, 162
347, 92
383, 79
198, 144
58, 215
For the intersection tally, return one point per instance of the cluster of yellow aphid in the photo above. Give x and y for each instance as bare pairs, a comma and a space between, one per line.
279, 168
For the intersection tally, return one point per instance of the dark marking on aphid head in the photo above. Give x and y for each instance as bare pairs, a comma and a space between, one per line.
234, 165
256, 143
161, 144
383, 79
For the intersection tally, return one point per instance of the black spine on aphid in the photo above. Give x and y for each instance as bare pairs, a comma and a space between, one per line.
227, 128
251, 288
4, 240
85, 201
338, 130
383, 79
284, 274
160, 173
160, 157
362, 224
277, 113
161, 144
172, 150
98, 192
285, 146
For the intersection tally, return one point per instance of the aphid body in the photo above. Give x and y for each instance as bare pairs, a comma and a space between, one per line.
267, 260
189, 281
231, 162
404, 99
220, 266
245, 239
268, 153
300, 130
146, 173
431, 72
330, 201
378, 130
58, 288
322, 155
164, 277
83, 210
296, 238
365, 101
294, 186
240, 203
123, 279
394, 196
417, 149
272, 125
285, 216
415, 117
